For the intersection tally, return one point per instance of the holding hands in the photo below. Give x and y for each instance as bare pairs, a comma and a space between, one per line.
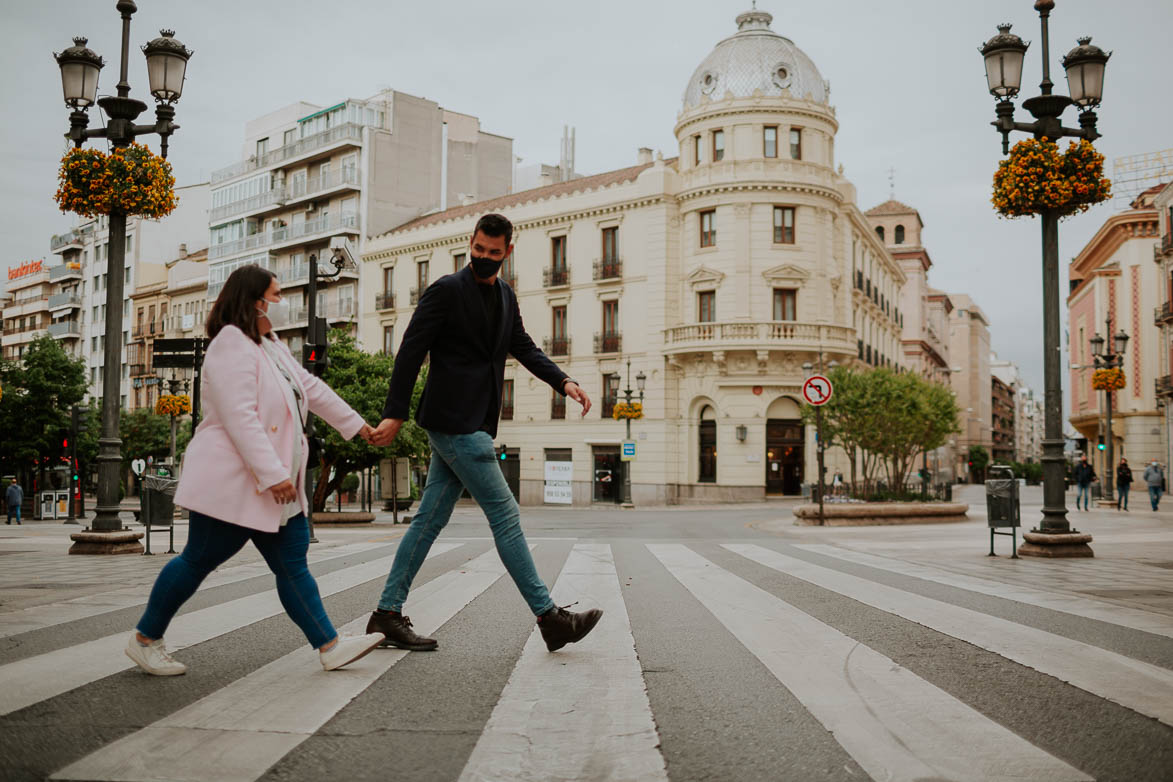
383, 434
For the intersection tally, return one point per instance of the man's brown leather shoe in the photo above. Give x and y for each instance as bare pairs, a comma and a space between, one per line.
397, 629
560, 627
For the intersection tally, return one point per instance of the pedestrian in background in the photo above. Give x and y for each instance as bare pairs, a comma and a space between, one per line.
244, 473
1123, 483
1084, 475
13, 497
1155, 478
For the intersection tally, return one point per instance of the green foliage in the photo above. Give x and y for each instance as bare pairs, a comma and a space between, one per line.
885, 419
38, 393
350, 483
144, 434
361, 380
979, 457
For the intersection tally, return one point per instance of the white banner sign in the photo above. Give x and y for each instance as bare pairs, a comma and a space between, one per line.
559, 471
557, 488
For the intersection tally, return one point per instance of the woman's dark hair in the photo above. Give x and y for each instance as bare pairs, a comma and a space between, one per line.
237, 303
495, 225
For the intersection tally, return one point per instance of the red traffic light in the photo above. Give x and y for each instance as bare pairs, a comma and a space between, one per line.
64, 442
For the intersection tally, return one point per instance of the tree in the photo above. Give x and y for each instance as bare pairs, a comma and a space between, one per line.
144, 434
361, 379
846, 416
979, 459
39, 391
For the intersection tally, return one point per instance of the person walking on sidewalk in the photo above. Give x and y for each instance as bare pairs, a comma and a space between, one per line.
1123, 483
1155, 479
244, 473
1084, 475
13, 498
467, 322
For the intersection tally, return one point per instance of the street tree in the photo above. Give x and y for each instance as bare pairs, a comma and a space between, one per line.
361, 379
846, 417
39, 391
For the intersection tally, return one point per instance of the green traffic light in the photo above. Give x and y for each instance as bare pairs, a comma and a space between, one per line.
1100, 446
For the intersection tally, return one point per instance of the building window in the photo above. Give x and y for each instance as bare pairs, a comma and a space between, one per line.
880, 232
900, 234
507, 401
559, 344
609, 341
262, 147
388, 340
507, 270
558, 253
784, 225
718, 145
458, 262
709, 228
610, 245
796, 143
708, 447
696, 150
421, 276
610, 394
288, 137
557, 406
706, 306
785, 304
770, 141
388, 280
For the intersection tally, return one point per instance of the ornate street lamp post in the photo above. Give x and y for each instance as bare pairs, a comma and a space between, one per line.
640, 380
166, 65
1084, 64
1112, 359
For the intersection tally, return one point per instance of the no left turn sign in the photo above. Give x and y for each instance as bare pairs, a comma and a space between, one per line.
817, 390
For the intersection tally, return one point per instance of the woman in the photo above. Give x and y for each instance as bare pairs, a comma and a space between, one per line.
244, 474
1123, 483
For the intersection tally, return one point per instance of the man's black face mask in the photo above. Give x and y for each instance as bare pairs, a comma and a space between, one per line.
484, 268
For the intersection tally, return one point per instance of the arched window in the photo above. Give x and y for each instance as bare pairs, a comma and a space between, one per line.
708, 446
900, 234
880, 232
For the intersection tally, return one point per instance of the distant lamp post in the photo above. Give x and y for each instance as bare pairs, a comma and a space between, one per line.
1004, 54
1113, 359
640, 380
166, 66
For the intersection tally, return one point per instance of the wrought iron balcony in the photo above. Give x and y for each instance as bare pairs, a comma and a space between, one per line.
608, 342
413, 296
608, 269
506, 412
384, 301
1164, 386
1163, 313
144, 329
556, 346
555, 278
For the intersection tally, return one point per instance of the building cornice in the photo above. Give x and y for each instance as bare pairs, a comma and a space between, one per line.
1114, 232
821, 191
800, 109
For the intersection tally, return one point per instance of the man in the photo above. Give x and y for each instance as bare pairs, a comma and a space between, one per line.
1123, 483
13, 496
466, 323
1155, 479
1084, 475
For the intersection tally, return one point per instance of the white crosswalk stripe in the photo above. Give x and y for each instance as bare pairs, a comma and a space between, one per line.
1134, 684
587, 712
33, 679
241, 730
894, 724
580, 713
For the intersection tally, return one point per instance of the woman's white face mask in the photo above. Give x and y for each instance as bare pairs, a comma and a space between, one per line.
277, 311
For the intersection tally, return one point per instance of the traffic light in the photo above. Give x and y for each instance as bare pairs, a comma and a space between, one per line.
1100, 443
314, 359
501, 452
77, 420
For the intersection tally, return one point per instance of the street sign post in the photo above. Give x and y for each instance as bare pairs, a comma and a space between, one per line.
817, 391
138, 466
627, 452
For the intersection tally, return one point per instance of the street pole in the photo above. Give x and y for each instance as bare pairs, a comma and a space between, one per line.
311, 337
819, 435
1054, 482
627, 465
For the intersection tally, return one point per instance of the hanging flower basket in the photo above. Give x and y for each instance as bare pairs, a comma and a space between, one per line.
133, 180
1036, 177
623, 410
1108, 380
171, 404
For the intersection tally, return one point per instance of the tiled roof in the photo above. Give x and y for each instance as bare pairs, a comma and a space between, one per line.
536, 194
891, 207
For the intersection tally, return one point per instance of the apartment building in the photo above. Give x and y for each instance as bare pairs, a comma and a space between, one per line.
310, 173
969, 352
27, 315
1163, 317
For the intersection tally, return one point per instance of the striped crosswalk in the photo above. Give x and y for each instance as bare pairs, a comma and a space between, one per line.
851, 637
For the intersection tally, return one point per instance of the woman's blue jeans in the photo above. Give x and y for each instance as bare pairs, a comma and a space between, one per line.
461, 461
210, 543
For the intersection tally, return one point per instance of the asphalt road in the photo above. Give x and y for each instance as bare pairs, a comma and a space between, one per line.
735, 646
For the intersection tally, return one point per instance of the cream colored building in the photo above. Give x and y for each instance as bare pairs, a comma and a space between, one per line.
718, 273
1163, 317
1114, 278
969, 353
310, 173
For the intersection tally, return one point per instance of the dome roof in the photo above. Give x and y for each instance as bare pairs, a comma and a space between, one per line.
755, 58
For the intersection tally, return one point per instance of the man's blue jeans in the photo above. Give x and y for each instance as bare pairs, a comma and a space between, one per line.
1085, 491
1122, 495
1154, 495
14, 513
210, 543
465, 461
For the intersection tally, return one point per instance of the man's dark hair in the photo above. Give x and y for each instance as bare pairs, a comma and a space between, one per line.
495, 225
237, 303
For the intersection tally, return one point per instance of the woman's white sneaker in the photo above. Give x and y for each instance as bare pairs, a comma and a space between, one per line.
348, 649
154, 658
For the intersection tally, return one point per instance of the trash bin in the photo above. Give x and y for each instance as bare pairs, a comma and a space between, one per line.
159, 508
1003, 508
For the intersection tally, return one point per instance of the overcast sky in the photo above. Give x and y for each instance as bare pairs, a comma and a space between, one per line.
906, 79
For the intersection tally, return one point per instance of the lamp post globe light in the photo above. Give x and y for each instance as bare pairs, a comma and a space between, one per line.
1004, 54
166, 66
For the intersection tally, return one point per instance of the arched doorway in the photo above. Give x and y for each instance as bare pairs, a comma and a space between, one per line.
784, 447
707, 447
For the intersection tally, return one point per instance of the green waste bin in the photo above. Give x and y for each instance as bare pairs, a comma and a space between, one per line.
1003, 507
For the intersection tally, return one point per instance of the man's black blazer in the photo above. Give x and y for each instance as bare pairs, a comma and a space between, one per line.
467, 363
